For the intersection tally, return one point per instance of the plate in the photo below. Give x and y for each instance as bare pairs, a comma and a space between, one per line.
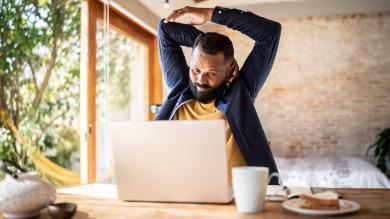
346, 207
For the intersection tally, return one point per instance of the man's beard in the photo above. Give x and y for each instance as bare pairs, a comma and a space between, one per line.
210, 94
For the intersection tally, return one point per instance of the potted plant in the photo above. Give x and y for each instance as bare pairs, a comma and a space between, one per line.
382, 149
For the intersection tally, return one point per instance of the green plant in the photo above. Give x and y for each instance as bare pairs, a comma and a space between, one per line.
382, 149
39, 78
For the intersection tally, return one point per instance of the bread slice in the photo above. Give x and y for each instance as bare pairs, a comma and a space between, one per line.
322, 201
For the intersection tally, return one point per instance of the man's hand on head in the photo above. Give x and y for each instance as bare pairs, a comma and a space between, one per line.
196, 16
233, 73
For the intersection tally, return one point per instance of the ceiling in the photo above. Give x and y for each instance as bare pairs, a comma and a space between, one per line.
276, 9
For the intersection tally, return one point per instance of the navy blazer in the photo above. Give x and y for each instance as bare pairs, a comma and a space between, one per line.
237, 102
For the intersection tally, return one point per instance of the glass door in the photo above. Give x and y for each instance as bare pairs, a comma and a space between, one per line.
120, 79
126, 89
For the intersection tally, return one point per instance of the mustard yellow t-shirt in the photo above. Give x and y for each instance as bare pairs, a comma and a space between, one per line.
195, 110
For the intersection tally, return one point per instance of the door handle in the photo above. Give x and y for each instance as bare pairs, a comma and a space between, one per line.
154, 108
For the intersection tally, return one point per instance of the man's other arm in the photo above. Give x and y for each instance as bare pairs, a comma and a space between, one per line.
264, 32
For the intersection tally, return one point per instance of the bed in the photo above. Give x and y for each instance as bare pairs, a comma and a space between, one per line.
337, 172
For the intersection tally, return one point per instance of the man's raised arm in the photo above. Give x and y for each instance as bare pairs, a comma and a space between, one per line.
173, 64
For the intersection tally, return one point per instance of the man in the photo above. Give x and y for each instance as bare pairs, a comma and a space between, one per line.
213, 87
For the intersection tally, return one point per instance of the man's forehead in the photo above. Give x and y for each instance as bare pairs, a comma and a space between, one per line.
200, 57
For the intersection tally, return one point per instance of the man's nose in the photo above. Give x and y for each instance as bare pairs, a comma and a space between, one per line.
202, 79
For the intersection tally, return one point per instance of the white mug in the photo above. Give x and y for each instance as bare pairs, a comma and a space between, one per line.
250, 186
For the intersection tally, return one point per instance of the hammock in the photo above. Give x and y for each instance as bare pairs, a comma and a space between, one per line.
61, 176
55, 173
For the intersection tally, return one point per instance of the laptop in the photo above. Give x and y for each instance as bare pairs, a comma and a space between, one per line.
171, 161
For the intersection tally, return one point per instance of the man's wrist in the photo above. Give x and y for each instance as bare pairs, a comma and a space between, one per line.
209, 13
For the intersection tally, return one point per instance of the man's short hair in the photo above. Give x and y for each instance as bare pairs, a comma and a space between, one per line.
213, 43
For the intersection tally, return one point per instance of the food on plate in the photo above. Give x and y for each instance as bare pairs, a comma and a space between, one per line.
321, 201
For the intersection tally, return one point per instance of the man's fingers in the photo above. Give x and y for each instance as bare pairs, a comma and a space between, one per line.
175, 15
234, 70
180, 13
167, 19
171, 15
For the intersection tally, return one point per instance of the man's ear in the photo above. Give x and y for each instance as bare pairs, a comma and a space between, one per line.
231, 65
233, 72
230, 68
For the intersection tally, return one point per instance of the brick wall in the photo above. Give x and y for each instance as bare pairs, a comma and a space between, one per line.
329, 90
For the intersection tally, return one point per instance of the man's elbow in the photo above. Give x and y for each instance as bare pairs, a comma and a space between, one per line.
277, 28
161, 27
166, 29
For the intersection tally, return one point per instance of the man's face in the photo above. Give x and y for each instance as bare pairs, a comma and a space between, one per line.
208, 74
